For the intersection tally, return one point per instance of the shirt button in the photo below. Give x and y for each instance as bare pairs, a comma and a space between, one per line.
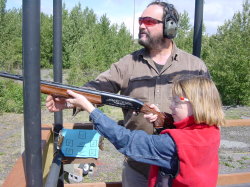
157, 91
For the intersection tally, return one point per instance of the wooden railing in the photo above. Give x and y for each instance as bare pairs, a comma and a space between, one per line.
17, 175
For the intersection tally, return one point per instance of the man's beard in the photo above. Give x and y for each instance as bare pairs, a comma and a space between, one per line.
150, 42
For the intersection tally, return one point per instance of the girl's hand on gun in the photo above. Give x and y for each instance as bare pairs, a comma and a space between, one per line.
152, 117
80, 101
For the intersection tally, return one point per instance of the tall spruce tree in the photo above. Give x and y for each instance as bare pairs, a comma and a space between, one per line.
229, 61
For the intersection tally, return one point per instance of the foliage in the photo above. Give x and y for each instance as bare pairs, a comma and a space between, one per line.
76, 24
99, 46
91, 43
2, 9
229, 61
11, 96
46, 40
10, 39
184, 39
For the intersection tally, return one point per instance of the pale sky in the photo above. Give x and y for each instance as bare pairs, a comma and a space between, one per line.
214, 14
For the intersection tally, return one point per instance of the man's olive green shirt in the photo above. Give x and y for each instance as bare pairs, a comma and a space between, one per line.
136, 75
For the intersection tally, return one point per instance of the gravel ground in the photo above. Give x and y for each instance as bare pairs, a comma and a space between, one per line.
234, 151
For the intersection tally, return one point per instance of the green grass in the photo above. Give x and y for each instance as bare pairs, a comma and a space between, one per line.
237, 112
233, 163
113, 112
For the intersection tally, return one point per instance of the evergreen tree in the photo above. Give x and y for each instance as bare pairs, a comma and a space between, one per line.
184, 39
230, 62
99, 45
11, 39
46, 41
2, 10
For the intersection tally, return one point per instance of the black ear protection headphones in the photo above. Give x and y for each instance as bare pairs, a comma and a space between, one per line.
170, 23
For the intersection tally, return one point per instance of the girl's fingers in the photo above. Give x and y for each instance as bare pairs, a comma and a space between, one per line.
71, 93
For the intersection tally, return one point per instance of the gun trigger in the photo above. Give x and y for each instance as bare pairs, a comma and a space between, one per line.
76, 111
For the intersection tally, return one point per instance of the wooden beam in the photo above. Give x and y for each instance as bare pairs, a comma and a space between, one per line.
237, 122
17, 175
97, 184
234, 178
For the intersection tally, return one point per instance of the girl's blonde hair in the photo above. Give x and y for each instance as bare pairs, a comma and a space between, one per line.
204, 98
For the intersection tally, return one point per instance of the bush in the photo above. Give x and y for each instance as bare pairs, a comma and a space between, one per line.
11, 96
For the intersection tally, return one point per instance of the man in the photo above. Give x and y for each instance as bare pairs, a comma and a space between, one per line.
146, 74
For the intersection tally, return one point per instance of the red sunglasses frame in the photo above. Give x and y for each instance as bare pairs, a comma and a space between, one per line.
149, 21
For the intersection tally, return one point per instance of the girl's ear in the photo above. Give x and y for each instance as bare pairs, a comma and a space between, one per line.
190, 109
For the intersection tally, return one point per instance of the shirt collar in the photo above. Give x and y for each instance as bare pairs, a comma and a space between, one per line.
174, 53
144, 54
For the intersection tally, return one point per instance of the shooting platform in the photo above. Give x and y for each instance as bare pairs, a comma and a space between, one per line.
17, 176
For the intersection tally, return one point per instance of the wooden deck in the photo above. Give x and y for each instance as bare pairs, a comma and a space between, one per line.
17, 175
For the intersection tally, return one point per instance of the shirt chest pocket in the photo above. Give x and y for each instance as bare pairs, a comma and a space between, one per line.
141, 87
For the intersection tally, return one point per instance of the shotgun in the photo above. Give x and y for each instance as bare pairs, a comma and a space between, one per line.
56, 89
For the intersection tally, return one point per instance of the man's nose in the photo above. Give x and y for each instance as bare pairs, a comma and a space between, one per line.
142, 25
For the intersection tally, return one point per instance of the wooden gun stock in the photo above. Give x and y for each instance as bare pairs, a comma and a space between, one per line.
55, 89
62, 92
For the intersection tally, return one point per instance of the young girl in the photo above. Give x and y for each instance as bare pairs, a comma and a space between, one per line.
185, 156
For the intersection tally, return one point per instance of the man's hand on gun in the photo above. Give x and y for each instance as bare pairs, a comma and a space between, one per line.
152, 117
55, 104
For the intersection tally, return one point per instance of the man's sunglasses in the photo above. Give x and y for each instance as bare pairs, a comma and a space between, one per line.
148, 21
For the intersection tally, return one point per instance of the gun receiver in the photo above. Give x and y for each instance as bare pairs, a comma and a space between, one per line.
99, 97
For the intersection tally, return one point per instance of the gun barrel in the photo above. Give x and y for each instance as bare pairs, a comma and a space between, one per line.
96, 97
106, 97
11, 76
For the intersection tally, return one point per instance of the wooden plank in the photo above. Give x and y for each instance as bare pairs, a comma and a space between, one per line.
97, 184
48, 157
234, 178
74, 160
237, 122
78, 126
17, 175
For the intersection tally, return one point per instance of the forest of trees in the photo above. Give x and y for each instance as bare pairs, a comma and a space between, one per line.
91, 44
